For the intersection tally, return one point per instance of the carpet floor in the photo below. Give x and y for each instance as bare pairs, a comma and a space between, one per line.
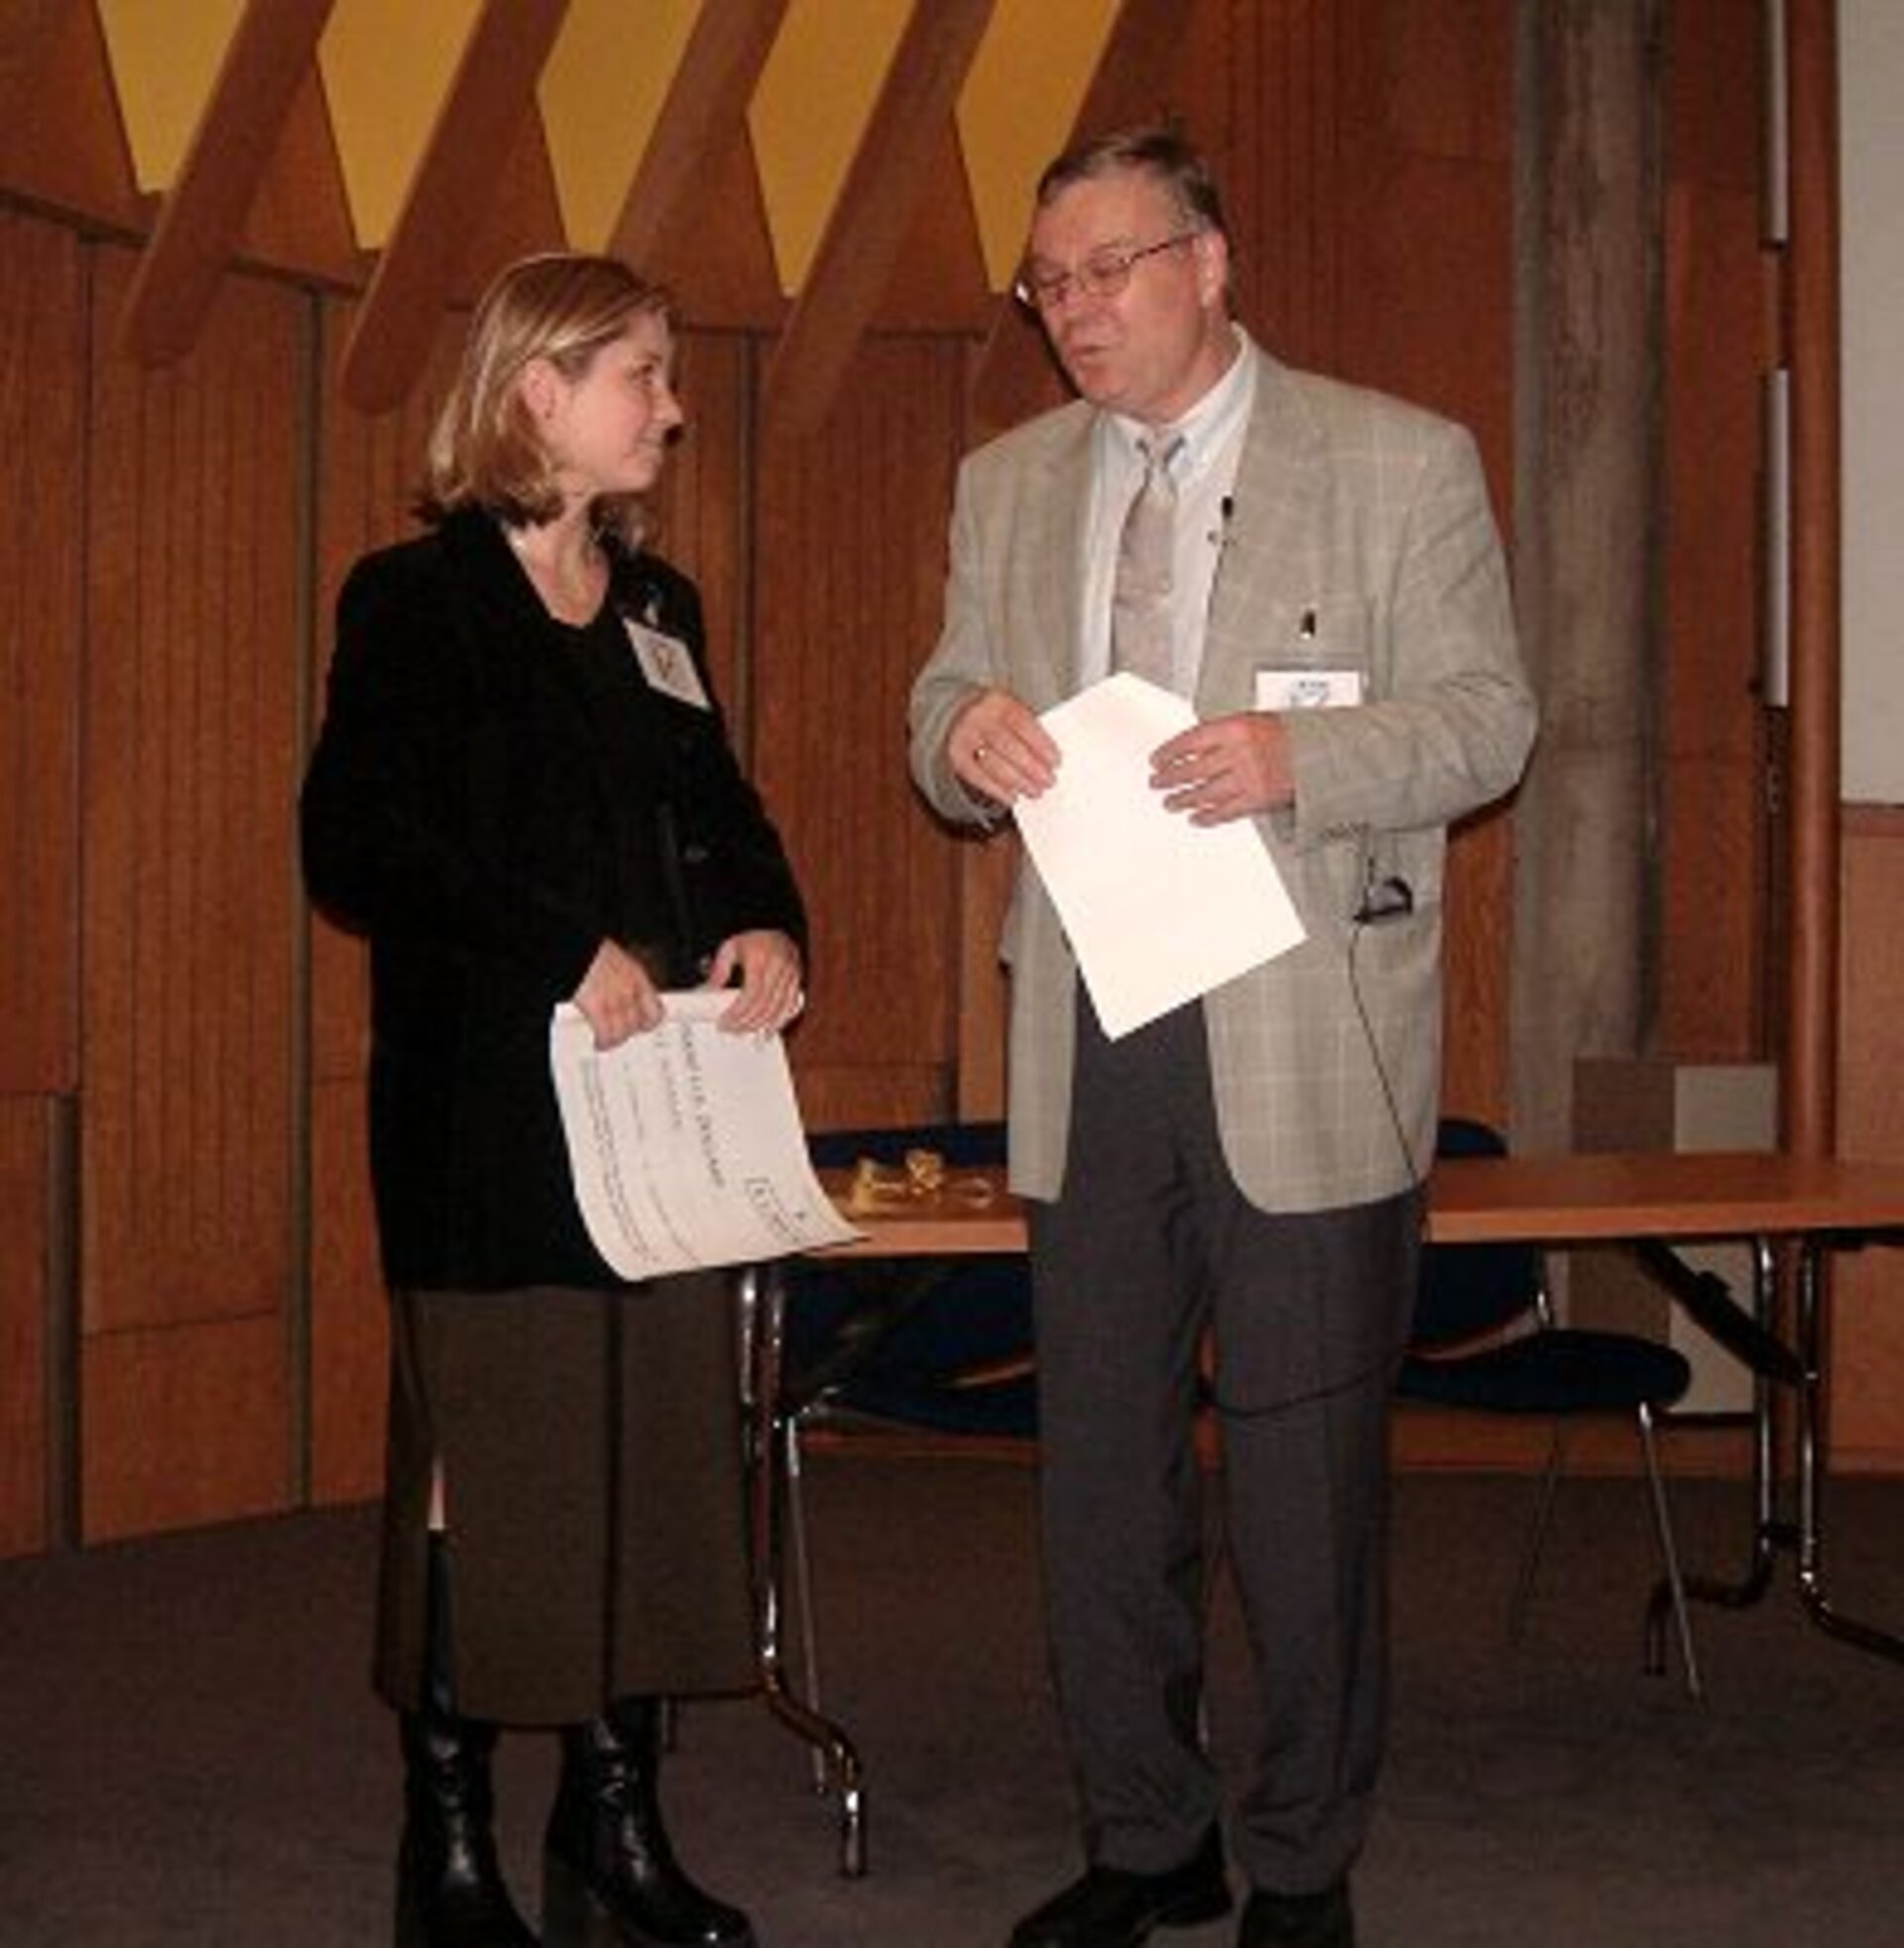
190, 1750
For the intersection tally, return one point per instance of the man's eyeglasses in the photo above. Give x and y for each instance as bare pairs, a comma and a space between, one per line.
1103, 274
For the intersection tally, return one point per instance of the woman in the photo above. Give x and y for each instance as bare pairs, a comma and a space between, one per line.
523, 793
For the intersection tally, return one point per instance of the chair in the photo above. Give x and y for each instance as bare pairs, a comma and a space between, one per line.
1484, 1340
937, 1345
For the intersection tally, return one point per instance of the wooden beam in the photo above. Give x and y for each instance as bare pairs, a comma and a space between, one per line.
705, 106
1015, 376
494, 89
869, 221
204, 213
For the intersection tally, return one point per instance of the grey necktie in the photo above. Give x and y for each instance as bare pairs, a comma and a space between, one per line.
1147, 553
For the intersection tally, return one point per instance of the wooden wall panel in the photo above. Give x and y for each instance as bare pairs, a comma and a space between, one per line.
183, 1424
1425, 307
349, 1314
1868, 1352
25, 1312
701, 509
42, 408
850, 579
1258, 94
190, 700
42, 342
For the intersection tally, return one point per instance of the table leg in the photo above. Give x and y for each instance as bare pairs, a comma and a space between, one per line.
1814, 1463
1768, 1530
764, 1320
1771, 1532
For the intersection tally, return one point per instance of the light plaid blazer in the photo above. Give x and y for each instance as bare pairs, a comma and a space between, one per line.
1371, 515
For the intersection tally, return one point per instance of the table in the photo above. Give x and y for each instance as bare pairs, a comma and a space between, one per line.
1646, 1201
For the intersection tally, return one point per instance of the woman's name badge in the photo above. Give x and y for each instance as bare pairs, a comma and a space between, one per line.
666, 663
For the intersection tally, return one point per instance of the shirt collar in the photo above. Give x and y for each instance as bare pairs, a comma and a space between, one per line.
1208, 424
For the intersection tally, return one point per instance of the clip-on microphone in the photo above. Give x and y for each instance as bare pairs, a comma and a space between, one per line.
1389, 898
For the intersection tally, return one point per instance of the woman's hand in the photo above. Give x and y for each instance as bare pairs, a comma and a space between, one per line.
770, 995
617, 995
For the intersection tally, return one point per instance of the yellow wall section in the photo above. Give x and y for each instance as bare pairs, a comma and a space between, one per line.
385, 71
601, 95
816, 96
164, 61
1017, 109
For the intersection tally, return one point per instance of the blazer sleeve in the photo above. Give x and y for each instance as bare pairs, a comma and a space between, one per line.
962, 665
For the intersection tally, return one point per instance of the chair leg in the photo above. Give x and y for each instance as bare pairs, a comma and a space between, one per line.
1662, 1522
800, 1574
1523, 1595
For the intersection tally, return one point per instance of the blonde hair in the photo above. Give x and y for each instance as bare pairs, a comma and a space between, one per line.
484, 450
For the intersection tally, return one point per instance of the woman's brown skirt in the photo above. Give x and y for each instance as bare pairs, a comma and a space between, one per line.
594, 1497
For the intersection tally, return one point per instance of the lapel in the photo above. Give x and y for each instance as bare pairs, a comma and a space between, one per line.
1270, 567
1054, 532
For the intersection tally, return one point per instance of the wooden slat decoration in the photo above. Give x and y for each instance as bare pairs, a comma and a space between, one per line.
704, 109
203, 215
716, 255
850, 572
190, 761
417, 274
876, 208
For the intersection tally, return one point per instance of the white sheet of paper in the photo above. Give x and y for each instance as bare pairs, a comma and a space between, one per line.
686, 1144
1160, 911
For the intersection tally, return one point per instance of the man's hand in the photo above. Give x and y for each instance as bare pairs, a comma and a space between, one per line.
1228, 768
1000, 750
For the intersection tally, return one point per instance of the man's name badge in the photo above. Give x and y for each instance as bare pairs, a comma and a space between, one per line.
1307, 690
666, 662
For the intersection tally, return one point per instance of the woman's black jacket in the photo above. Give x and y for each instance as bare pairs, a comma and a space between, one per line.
487, 801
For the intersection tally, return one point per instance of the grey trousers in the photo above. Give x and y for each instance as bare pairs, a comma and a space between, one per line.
1149, 1245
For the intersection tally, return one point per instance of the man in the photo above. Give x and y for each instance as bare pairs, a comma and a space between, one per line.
1250, 1164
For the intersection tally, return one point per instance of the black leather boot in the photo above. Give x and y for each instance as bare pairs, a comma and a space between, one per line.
449, 1885
610, 1877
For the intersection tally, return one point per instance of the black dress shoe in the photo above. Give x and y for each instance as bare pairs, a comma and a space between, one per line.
1114, 1907
1298, 1920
